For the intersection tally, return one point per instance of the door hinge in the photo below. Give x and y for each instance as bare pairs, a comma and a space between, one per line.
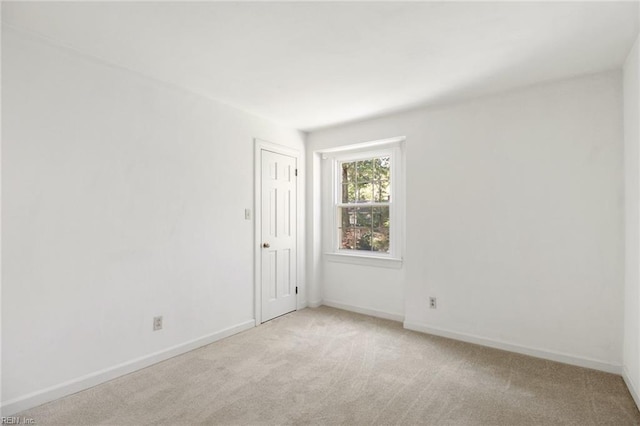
296, 172
296, 289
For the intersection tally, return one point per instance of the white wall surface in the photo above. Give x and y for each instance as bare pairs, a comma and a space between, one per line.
376, 291
514, 220
123, 199
631, 349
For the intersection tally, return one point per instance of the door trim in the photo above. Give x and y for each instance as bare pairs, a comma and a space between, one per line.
259, 146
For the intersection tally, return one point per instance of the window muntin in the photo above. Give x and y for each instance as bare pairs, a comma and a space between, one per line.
363, 204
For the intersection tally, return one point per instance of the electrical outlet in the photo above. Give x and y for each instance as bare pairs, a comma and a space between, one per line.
157, 323
433, 303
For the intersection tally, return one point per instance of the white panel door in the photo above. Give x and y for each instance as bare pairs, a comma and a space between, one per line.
278, 234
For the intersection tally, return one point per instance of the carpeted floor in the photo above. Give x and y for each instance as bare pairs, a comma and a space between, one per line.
327, 366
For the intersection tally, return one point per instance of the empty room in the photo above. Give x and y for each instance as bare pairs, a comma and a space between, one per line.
247, 213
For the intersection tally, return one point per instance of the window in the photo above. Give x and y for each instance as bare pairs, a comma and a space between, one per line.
364, 200
366, 203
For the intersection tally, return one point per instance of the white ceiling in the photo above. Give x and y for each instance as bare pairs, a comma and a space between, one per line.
311, 65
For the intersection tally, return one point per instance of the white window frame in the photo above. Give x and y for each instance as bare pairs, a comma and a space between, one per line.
387, 147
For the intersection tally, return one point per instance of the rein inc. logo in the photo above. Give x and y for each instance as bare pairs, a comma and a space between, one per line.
17, 420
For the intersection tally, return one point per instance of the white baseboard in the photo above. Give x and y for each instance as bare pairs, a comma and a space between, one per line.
633, 390
365, 311
538, 353
90, 380
315, 304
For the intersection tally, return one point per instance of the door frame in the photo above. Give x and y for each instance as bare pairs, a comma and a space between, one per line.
259, 146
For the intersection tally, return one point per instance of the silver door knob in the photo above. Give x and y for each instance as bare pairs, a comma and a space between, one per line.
266, 245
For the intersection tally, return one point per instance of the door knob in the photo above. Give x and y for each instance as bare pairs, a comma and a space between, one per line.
266, 245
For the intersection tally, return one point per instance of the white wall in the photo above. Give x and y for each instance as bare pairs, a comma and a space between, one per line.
123, 199
631, 349
514, 220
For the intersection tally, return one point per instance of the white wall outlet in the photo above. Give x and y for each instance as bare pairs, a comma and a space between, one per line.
247, 214
157, 323
433, 303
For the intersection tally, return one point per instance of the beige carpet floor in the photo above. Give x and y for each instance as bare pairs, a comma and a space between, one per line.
327, 366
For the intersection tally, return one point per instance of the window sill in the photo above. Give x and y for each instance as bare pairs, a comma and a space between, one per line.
358, 259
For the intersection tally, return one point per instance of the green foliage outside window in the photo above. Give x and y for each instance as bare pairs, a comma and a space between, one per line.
362, 226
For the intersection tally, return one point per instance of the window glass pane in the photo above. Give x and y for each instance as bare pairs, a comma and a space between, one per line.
347, 221
363, 239
349, 172
348, 193
366, 181
356, 230
380, 236
382, 170
364, 228
364, 170
348, 183
363, 217
365, 192
381, 191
